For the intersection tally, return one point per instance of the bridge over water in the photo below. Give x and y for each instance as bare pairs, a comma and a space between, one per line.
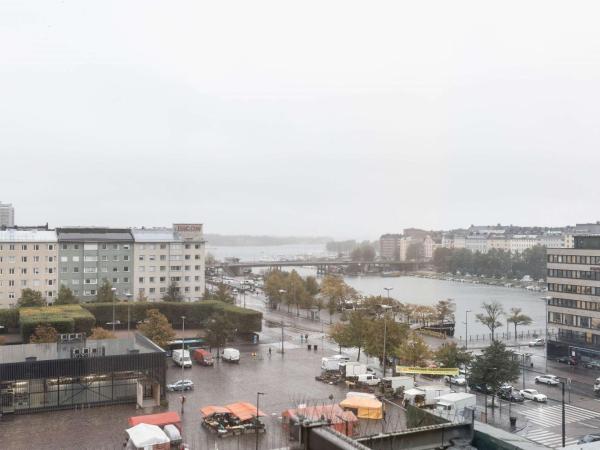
322, 266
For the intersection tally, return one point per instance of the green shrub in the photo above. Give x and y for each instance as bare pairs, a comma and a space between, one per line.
9, 318
63, 318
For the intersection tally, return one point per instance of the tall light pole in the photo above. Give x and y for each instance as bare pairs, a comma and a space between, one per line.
282, 292
182, 346
385, 307
467, 328
563, 412
546, 299
258, 394
388, 289
114, 295
128, 311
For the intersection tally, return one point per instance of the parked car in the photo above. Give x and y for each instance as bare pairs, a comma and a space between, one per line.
231, 355
181, 385
532, 394
567, 360
539, 342
510, 395
459, 380
589, 438
592, 365
483, 388
550, 380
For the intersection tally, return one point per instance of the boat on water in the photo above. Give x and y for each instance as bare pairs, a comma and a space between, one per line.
444, 327
391, 274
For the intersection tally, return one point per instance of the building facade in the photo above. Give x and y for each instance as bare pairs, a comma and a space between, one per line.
574, 299
77, 373
28, 259
87, 256
7, 215
165, 256
389, 246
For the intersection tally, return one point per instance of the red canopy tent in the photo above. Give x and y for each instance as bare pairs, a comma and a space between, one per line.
161, 419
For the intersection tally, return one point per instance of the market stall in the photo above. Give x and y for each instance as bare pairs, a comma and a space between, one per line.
234, 419
147, 437
363, 407
161, 419
341, 421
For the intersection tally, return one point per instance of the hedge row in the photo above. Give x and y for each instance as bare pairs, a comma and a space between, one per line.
64, 318
9, 318
196, 314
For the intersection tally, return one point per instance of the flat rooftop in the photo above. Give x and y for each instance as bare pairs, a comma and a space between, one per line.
94, 234
54, 351
15, 235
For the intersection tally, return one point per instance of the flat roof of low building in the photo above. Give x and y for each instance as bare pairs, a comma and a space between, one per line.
155, 235
94, 234
54, 351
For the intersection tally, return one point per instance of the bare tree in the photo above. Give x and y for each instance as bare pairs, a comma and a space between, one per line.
490, 317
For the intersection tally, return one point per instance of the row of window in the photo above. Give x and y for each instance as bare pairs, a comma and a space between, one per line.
25, 247
162, 290
573, 320
13, 295
93, 258
164, 257
164, 279
574, 304
25, 283
103, 269
25, 270
24, 259
576, 274
572, 289
579, 336
574, 259
174, 246
94, 247
164, 268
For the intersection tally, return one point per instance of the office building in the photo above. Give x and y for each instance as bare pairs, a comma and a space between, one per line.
28, 259
7, 215
76, 373
165, 256
574, 299
87, 256
389, 246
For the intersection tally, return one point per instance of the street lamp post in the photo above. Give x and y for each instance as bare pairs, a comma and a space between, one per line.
114, 294
128, 311
467, 328
546, 335
385, 307
388, 289
182, 346
282, 292
563, 412
258, 394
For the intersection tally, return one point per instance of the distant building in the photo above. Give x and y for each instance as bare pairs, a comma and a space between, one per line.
389, 246
28, 259
7, 215
553, 240
90, 255
169, 255
403, 245
498, 242
454, 240
428, 247
476, 243
574, 299
520, 243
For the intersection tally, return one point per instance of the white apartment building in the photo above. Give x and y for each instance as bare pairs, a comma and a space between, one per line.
7, 215
521, 242
498, 242
476, 243
403, 245
169, 255
552, 240
28, 259
454, 241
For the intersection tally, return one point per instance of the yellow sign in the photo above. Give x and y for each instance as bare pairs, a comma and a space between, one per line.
428, 370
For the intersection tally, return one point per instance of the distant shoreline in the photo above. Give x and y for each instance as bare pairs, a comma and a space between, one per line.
265, 241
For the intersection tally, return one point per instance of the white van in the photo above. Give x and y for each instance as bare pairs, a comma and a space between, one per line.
231, 355
368, 379
182, 358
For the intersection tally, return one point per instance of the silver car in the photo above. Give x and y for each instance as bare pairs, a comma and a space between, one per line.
181, 385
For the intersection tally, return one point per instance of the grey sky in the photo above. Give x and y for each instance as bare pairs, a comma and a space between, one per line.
331, 118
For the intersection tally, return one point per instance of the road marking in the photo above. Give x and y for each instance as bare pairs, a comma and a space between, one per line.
552, 415
547, 438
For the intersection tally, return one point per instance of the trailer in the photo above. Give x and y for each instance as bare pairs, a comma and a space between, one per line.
352, 369
425, 396
330, 364
451, 405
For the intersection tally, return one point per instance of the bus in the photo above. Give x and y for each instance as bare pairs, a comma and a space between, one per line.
189, 344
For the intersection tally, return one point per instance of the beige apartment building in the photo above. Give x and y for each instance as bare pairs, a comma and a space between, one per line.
169, 255
28, 259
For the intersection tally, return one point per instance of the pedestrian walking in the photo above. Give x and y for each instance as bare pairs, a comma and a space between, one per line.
269, 352
182, 403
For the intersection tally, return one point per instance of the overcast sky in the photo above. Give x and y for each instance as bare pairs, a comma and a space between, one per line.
300, 118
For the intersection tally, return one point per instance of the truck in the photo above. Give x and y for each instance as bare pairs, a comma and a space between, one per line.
231, 355
182, 358
203, 357
451, 405
368, 379
398, 382
352, 369
425, 396
597, 387
330, 364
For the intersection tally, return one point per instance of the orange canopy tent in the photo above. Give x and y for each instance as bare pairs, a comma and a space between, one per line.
366, 408
211, 409
161, 419
244, 410
341, 421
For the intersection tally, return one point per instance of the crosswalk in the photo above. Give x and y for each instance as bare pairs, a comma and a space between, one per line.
551, 416
548, 438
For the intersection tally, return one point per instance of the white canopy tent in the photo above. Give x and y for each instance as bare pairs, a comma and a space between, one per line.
144, 436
